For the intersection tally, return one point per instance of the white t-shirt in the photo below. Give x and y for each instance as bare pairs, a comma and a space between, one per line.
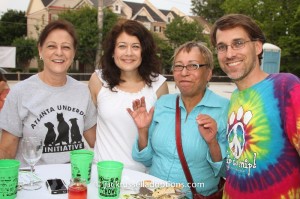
116, 130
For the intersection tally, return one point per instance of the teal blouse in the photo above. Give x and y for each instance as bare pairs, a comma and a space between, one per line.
161, 154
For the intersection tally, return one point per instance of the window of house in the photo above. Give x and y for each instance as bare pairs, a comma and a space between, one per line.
116, 8
169, 19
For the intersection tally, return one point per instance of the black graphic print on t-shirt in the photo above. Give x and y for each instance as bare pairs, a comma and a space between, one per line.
63, 130
62, 138
75, 132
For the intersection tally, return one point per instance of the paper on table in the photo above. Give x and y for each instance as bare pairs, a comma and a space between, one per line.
25, 176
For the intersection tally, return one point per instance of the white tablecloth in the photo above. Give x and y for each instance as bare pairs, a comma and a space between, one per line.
130, 181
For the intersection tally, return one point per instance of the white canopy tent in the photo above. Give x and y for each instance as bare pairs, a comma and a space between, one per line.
7, 57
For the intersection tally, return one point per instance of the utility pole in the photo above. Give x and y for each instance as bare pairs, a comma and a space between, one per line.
100, 27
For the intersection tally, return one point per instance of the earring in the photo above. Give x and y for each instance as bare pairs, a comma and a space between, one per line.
41, 58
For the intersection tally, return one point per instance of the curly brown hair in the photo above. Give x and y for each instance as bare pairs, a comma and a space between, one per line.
150, 66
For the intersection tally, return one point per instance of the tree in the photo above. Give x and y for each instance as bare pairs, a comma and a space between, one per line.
85, 22
26, 51
12, 25
165, 53
180, 31
209, 9
100, 27
290, 44
280, 21
110, 19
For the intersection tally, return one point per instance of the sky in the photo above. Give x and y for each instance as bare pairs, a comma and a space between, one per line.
182, 5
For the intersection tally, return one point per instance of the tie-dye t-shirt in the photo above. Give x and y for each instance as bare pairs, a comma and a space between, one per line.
264, 135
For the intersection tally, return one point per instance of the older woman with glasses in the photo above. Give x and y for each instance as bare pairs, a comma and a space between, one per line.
203, 124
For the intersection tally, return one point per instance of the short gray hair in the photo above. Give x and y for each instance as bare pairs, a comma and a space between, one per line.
205, 52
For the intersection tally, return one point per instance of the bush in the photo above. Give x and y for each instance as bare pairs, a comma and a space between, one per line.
33, 70
14, 70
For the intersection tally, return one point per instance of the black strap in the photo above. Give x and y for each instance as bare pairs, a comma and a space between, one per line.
184, 164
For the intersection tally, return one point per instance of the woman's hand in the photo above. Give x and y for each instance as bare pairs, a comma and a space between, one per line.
139, 113
207, 127
142, 120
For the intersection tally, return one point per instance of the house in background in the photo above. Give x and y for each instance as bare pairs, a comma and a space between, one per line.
41, 12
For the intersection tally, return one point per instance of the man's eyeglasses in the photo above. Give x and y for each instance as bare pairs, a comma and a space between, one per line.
179, 67
235, 45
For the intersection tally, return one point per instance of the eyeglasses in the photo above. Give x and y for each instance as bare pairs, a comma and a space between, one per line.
179, 67
235, 45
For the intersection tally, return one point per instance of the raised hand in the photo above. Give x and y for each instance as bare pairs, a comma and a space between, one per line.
139, 113
207, 127
142, 119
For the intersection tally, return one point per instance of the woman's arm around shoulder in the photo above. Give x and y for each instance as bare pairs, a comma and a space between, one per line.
94, 85
163, 89
90, 136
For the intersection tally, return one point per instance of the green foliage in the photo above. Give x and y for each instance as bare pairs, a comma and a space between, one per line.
209, 9
165, 53
280, 21
110, 19
180, 31
33, 70
85, 22
12, 25
26, 51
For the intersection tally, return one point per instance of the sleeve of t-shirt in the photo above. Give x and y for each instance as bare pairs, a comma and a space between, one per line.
10, 115
91, 116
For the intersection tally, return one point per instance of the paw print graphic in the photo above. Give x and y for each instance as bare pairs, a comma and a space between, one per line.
236, 133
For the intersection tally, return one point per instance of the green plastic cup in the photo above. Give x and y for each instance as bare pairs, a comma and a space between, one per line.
9, 173
109, 179
81, 164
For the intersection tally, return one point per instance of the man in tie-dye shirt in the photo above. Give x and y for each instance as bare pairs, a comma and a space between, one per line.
263, 132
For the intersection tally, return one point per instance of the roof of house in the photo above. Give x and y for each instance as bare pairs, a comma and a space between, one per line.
95, 2
142, 19
166, 12
46, 2
136, 7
